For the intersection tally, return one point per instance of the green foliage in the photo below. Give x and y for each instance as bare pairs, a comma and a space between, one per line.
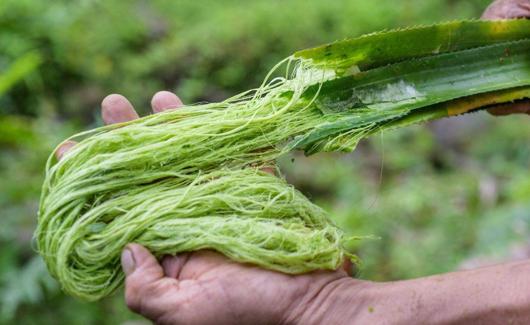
18, 70
465, 197
435, 196
205, 50
26, 286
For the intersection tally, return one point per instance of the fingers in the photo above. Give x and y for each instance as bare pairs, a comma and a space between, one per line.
114, 109
347, 266
139, 264
63, 148
505, 9
117, 109
143, 276
164, 100
269, 170
172, 265
513, 108
191, 266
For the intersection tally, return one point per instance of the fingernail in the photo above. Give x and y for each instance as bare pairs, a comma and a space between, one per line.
164, 100
127, 261
64, 148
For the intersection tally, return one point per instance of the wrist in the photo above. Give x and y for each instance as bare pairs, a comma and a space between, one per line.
489, 295
333, 300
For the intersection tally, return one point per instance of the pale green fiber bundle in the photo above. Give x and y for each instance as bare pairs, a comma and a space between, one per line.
181, 181
190, 178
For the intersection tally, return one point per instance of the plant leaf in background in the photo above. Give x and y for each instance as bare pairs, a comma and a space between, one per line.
19, 69
24, 286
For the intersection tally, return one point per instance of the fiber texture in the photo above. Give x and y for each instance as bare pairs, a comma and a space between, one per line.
179, 181
190, 178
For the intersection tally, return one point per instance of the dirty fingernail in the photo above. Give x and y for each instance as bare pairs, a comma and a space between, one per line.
127, 261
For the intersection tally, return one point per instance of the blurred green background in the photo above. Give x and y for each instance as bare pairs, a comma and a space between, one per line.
439, 197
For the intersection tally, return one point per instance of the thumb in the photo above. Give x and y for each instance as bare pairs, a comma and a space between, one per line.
136, 259
142, 272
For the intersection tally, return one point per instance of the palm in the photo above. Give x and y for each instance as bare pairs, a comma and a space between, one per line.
223, 289
225, 292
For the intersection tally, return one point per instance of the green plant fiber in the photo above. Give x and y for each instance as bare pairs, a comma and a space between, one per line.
191, 178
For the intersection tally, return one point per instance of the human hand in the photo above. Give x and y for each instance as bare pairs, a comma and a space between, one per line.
505, 9
117, 109
205, 287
